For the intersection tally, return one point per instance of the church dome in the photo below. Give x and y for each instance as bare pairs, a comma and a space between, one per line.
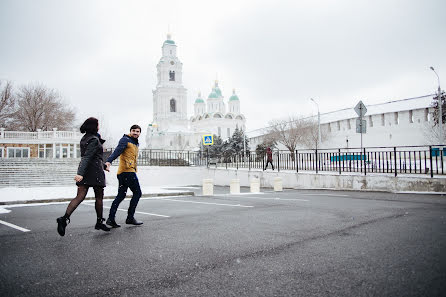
199, 99
234, 97
169, 39
213, 94
218, 91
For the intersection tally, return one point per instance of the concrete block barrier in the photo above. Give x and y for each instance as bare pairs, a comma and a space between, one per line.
278, 184
255, 185
234, 187
208, 187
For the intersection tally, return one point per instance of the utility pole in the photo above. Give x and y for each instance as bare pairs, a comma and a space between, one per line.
440, 103
318, 144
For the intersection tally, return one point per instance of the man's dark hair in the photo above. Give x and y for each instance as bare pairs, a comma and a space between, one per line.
90, 126
135, 127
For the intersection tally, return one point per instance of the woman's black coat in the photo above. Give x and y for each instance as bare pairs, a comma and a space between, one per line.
91, 166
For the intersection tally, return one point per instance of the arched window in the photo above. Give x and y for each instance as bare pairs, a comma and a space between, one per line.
173, 105
172, 75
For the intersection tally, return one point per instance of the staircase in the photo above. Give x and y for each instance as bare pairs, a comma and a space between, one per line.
37, 172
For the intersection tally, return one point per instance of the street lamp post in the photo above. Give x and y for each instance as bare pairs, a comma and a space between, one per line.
318, 124
440, 118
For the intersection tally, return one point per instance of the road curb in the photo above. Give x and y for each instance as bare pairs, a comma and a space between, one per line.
188, 193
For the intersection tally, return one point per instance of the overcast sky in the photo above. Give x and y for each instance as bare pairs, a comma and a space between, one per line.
102, 55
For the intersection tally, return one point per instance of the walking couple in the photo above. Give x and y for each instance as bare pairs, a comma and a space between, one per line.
90, 173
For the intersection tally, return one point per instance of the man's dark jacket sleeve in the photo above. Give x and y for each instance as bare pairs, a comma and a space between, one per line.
122, 145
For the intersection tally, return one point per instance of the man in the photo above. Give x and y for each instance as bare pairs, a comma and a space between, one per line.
127, 150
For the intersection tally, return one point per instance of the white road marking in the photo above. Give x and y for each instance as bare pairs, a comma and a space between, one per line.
275, 198
14, 226
240, 194
334, 195
210, 203
146, 213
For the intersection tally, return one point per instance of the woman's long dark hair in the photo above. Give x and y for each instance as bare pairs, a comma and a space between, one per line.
90, 126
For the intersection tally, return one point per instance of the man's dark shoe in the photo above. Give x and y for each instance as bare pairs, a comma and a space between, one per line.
100, 225
112, 222
133, 221
61, 225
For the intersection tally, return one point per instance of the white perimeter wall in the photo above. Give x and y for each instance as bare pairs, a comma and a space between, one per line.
182, 176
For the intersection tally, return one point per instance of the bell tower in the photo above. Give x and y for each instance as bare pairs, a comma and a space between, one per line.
170, 96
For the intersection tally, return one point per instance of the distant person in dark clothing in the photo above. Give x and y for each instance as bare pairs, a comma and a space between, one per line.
127, 151
90, 173
269, 158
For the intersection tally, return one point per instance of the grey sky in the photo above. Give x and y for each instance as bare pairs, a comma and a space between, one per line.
102, 55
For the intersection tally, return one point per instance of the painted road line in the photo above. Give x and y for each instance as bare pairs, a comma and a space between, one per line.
274, 198
14, 226
334, 195
141, 212
210, 203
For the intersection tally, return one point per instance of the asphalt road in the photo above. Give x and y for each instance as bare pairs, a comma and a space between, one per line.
293, 243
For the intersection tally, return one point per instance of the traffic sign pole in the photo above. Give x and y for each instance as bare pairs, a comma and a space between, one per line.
361, 110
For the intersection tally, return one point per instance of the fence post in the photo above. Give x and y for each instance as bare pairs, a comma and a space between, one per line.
365, 168
339, 160
430, 154
315, 158
441, 150
297, 162
394, 153
249, 161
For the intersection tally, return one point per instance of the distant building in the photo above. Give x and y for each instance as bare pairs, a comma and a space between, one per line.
171, 128
41, 144
406, 122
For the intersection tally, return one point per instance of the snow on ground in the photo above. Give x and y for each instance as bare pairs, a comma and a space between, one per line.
45, 193
153, 180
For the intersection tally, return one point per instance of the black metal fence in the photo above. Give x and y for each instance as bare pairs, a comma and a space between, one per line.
428, 160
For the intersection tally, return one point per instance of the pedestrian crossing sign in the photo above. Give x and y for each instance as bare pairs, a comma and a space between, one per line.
208, 139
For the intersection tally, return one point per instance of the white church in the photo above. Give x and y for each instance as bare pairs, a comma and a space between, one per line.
171, 128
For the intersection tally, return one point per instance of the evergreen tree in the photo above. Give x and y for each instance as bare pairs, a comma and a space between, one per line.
227, 151
215, 150
236, 141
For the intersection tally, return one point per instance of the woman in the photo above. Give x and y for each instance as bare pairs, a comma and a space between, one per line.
90, 173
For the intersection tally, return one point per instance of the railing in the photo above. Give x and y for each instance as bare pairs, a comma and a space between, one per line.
19, 135
426, 160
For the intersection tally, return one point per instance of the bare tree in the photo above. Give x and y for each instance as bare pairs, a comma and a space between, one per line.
7, 104
431, 133
41, 108
290, 132
435, 104
310, 131
106, 132
431, 128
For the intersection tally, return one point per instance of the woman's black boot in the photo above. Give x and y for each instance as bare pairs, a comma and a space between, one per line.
62, 223
100, 225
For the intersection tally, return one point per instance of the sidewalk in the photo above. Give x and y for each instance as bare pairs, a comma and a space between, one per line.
67, 193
